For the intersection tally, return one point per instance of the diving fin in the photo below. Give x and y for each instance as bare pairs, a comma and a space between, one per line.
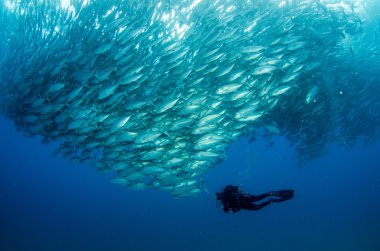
284, 194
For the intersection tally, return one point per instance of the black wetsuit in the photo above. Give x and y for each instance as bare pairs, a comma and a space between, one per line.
234, 199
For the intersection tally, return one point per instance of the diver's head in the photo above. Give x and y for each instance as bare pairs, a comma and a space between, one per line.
231, 189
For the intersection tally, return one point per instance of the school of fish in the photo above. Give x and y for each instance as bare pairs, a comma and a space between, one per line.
155, 91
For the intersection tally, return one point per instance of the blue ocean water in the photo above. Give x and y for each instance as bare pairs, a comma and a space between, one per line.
48, 203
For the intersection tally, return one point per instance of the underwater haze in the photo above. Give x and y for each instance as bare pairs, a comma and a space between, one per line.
173, 100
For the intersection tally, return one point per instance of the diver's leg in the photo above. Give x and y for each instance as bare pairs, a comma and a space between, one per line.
255, 206
254, 198
264, 204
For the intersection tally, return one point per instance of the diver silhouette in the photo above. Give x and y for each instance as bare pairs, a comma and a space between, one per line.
234, 199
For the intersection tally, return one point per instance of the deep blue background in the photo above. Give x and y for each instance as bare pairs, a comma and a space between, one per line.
47, 203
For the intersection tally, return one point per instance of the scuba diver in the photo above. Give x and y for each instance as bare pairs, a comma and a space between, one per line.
234, 199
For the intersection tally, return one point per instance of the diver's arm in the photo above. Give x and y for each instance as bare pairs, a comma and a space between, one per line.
226, 207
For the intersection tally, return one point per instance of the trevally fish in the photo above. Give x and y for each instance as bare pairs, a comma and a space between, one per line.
155, 92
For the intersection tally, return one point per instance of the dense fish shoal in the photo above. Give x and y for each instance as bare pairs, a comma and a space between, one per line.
155, 91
